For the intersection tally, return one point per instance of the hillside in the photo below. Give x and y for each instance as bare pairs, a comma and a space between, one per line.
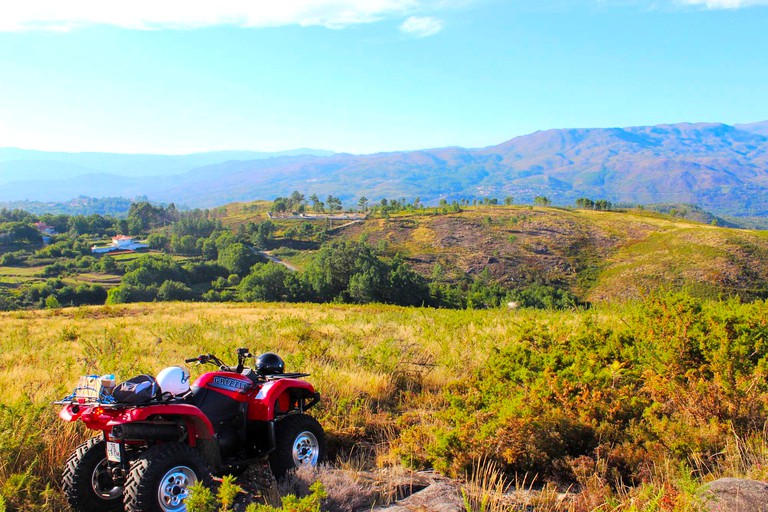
716, 166
600, 256
578, 398
760, 128
23, 164
454, 256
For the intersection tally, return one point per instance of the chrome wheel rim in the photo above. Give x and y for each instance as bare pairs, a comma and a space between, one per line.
174, 488
306, 449
102, 484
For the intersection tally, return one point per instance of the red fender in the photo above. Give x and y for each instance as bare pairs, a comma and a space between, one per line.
104, 418
275, 396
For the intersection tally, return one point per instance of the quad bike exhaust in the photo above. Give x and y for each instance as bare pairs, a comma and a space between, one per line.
148, 431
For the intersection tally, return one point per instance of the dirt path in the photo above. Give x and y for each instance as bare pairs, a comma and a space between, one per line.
275, 259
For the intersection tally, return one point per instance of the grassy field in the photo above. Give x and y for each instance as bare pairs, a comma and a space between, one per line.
14, 276
613, 393
233, 215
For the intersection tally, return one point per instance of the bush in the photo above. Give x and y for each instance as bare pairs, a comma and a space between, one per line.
174, 290
678, 378
545, 297
290, 503
11, 259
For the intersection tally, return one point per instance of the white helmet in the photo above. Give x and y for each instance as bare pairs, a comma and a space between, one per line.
173, 380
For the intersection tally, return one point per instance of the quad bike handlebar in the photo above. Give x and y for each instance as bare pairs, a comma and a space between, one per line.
242, 355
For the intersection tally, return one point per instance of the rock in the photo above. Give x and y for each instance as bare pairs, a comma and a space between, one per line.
438, 497
736, 495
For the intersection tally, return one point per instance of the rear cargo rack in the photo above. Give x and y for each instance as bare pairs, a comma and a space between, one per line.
89, 391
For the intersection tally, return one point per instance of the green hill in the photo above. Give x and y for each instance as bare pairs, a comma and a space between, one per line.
597, 255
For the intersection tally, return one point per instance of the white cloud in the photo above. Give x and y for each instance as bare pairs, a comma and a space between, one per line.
181, 14
421, 26
725, 4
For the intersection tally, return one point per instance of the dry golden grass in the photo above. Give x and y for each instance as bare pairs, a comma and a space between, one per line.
377, 367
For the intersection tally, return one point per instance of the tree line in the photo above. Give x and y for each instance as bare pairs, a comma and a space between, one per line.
225, 264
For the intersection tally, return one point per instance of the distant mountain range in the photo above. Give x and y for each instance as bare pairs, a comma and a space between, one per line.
721, 168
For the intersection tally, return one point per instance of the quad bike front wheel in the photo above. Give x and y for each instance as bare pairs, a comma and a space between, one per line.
300, 442
87, 481
160, 478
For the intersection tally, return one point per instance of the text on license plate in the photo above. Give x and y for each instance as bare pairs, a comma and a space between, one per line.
113, 451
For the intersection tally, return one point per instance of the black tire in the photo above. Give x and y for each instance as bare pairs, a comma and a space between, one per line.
87, 482
160, 478
300, 441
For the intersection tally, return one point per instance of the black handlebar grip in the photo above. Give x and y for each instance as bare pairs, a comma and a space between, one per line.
192, 360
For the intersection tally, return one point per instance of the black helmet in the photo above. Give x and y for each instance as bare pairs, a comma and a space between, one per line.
269, 363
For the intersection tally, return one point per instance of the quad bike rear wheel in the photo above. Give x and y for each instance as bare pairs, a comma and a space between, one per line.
87, 481
300, 442
160, 478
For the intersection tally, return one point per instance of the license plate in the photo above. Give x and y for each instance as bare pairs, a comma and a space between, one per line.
113, 451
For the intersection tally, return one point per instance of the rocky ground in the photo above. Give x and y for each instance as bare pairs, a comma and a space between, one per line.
400, 490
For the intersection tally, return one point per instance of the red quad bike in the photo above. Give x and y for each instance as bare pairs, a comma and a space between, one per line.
149, 454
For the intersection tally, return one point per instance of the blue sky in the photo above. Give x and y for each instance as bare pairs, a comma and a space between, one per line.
172, 76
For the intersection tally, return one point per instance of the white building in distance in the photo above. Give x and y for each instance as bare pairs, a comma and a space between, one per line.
120, 243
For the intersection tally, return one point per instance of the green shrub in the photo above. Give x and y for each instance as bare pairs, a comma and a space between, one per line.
290, 503
677, 377
202, 499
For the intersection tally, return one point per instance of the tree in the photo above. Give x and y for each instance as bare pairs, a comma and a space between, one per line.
142, 216
363, 204
59, 222
119, 294
353, 272
602, 205
296, 200
51, 302
404, 285
237, 259
21, 232
78, 224
186, 245
262, 234
585, 202
266, 282
209, 250
334, 203
152, 270
280, 205
364, 286
317, 205
174, 290
508, 200
541, 201
106, 264
158, 241
329, 274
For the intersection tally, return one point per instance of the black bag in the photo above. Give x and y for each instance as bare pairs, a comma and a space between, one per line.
138, 390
